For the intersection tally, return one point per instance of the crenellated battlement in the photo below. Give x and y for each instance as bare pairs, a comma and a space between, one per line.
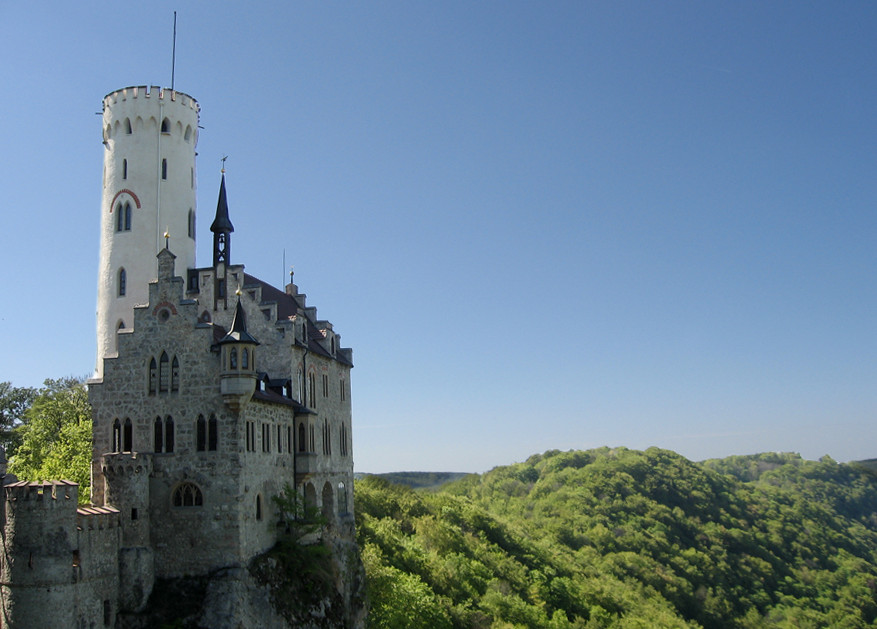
118, 464
46, 494
153, 92
97, 518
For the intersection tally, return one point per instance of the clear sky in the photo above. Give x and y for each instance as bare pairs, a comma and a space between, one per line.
539, 225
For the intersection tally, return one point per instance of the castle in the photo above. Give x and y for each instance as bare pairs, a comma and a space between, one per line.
213, 391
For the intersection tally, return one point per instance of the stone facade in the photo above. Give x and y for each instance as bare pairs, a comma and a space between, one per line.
219, 392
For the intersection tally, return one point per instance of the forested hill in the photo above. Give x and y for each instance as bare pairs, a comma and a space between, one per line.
621, 538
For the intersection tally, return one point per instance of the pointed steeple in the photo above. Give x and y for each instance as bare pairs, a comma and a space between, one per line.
222, 228
239, 332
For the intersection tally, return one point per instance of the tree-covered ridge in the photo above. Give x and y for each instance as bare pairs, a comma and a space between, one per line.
630, 539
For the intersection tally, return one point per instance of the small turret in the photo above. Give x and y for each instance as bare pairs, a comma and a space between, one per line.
238, 352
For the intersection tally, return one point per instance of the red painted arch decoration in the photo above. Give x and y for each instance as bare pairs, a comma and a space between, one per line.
120, 193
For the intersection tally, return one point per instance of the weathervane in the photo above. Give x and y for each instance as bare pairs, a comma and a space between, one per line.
223, 163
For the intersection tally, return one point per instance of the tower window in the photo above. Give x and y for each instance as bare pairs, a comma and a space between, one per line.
302, 446
123, 281
164, 168
128, 128
153, 376
258, 506
169, 434
165, 126
325, 385
201, 434
124, 169
192, 224
245, 359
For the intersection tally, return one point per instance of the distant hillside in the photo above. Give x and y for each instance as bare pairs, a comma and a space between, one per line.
418, 480
621, 538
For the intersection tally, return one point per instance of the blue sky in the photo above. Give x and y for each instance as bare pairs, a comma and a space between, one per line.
539, 225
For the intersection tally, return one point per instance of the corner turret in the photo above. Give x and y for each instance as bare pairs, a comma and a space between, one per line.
238, 354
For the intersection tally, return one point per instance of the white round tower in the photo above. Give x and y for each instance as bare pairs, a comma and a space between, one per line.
150, 136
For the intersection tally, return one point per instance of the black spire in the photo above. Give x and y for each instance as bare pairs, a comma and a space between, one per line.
222, 228
238, 332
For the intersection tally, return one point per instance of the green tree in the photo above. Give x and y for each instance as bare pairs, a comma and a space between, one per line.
55, 438
14, 402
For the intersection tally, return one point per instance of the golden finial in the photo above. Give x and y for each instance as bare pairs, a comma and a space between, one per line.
167, 236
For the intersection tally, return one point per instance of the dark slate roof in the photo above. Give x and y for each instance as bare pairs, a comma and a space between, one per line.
222, 223
287, 307
276, 398
239, 333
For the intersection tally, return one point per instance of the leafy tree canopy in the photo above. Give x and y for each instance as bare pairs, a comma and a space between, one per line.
55, 436
14, 401
621, 538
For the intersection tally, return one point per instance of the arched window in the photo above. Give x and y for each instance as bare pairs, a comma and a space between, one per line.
342, 498
301, 438
120, 220
163, 373
188, 135
128, 129
245, 359
233, 358
117, 436
212, 434
165, 126
128, 437
175, 375
123, 281
188, 495
312, 390
258, 506
158, 434
127, 214
328, 509
153, 375
192, 224
169, 434
201, 434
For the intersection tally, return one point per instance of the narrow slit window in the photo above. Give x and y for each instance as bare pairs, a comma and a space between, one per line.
164, 168
123, 282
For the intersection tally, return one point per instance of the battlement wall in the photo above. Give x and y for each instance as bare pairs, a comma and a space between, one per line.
154, 93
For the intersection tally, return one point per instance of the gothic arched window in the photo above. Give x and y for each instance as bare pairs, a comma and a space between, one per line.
201, 434
158, 434
212, 434
128, 436
245, 359
175, 375
163, 373
165, 126
169, 434
188, 495
153, 375
117, 436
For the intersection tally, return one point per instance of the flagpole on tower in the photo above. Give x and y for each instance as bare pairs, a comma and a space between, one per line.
174, 53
